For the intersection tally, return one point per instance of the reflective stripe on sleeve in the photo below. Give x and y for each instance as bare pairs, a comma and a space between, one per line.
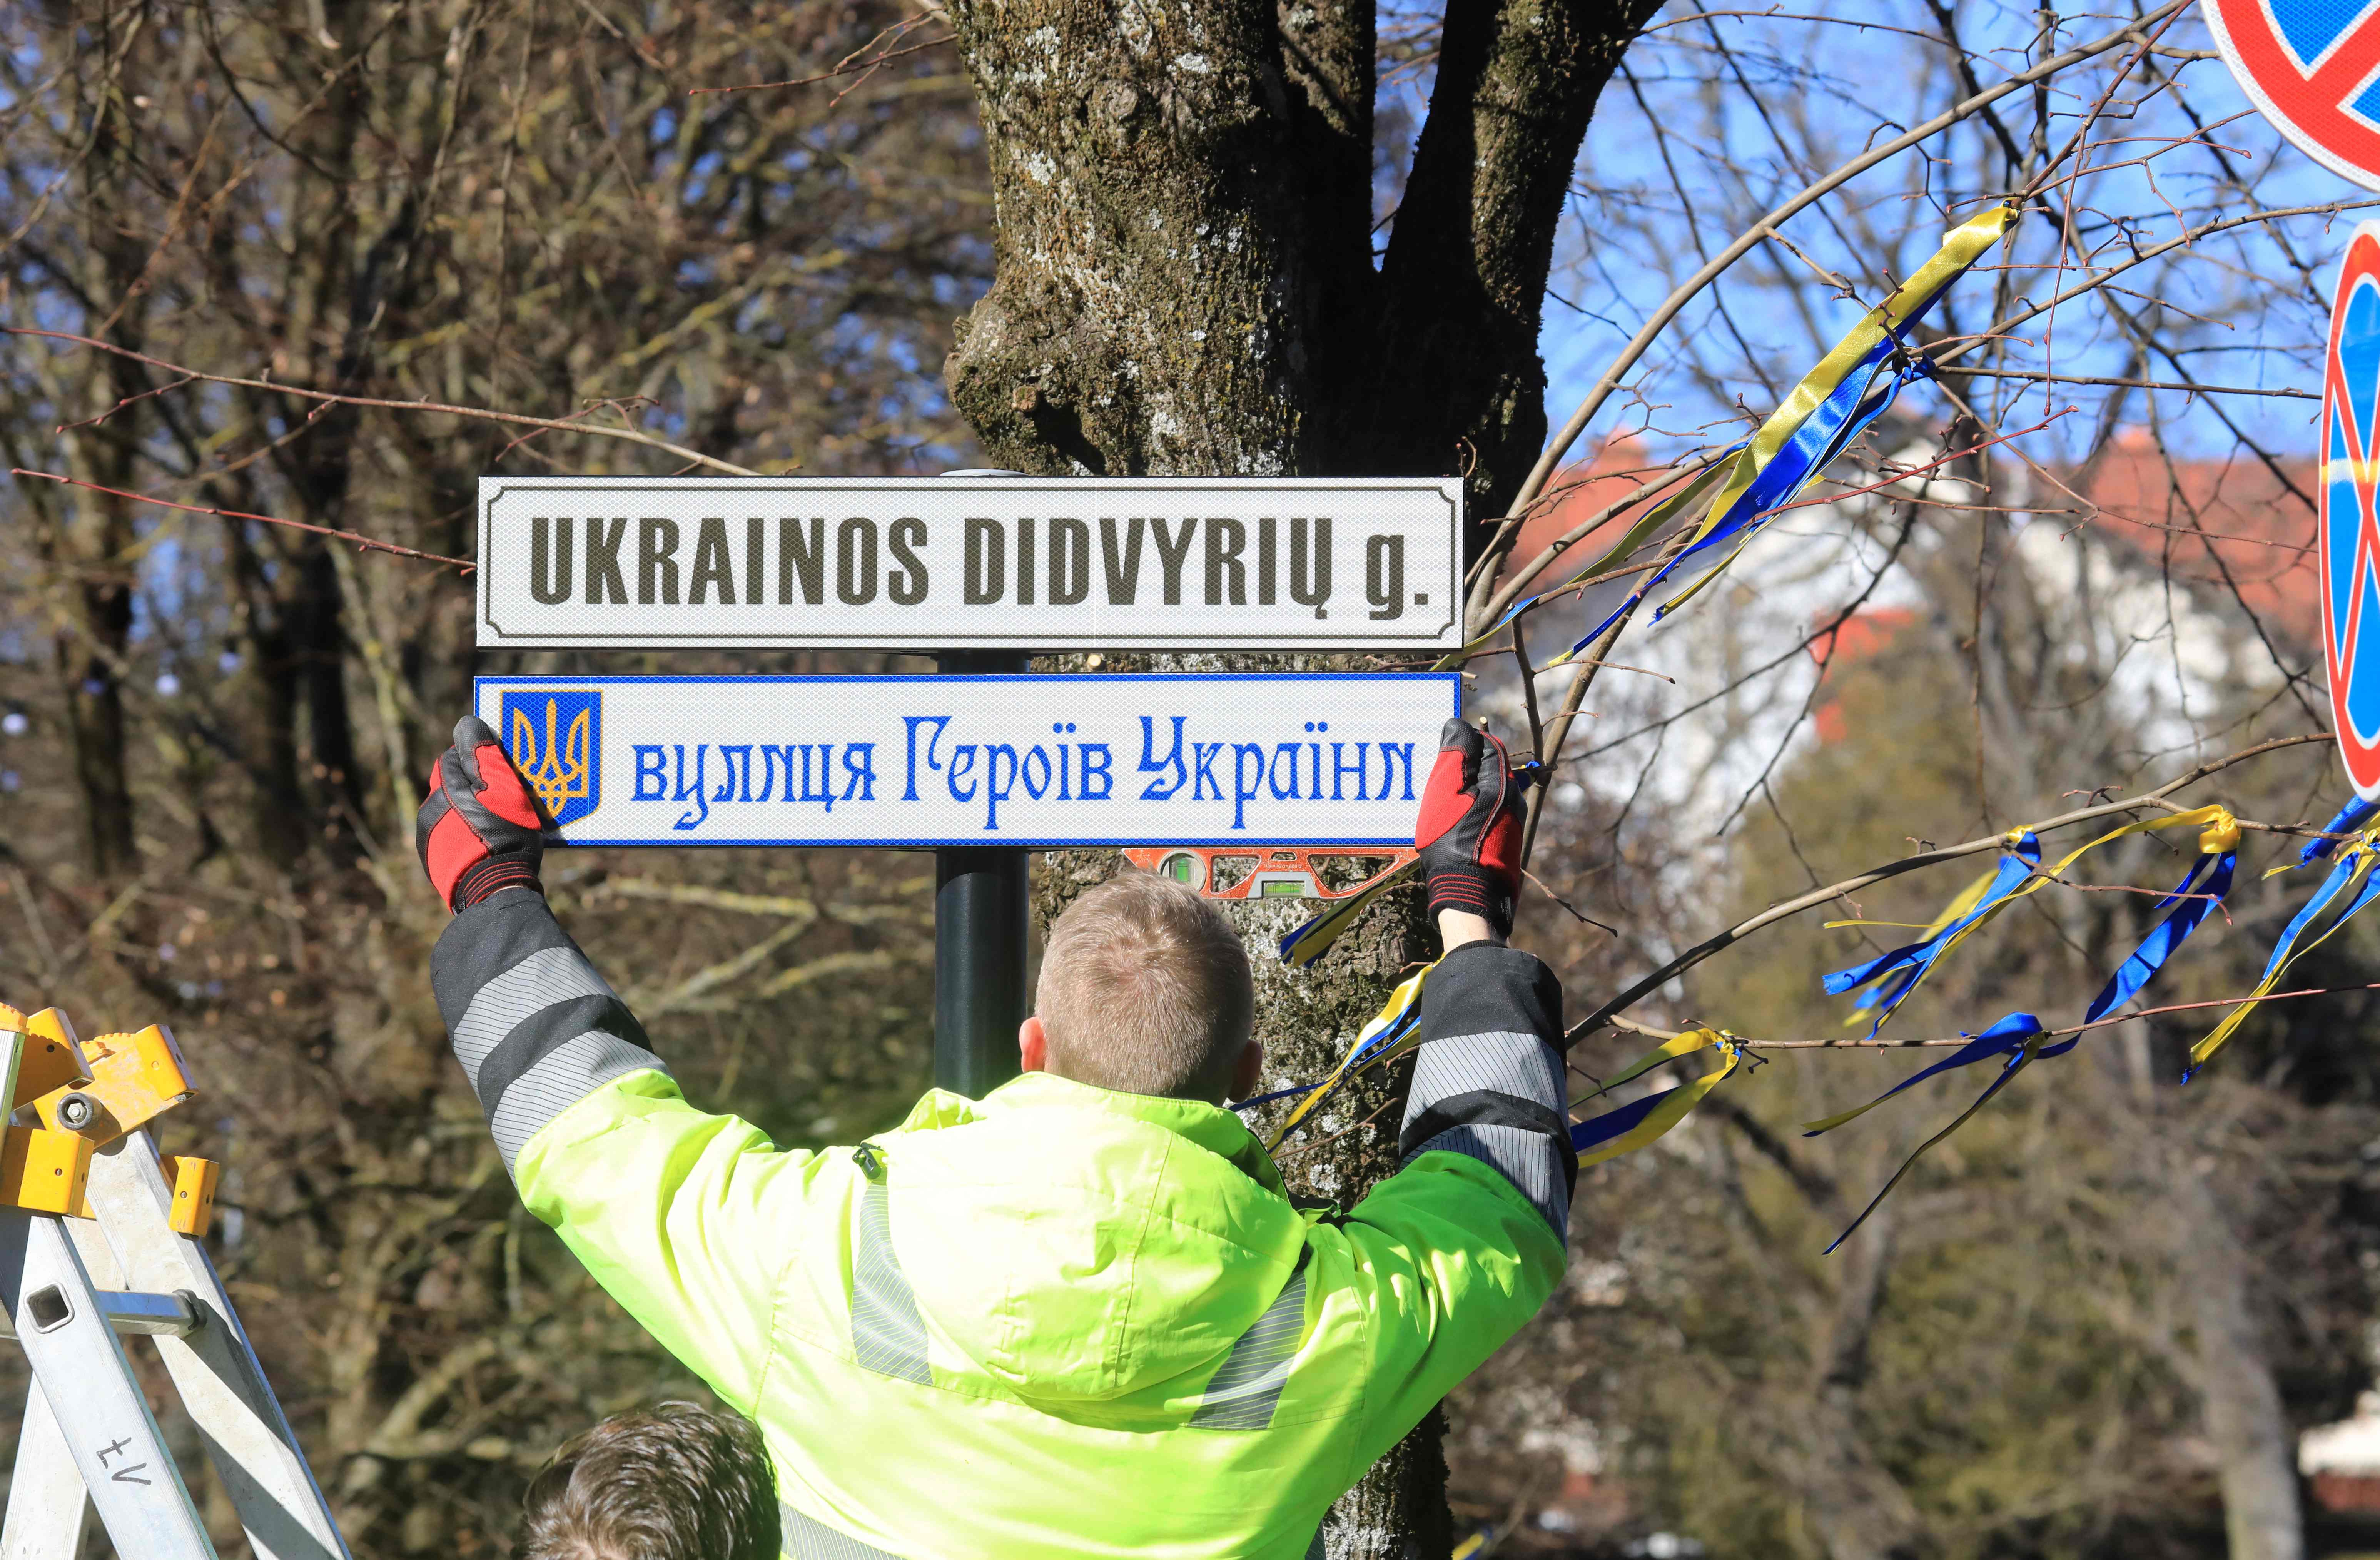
1522, 1155
1247, 1388
536, 1029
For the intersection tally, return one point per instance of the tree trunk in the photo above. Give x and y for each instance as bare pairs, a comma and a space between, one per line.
1184, 285
1858, 1509
2255, 1448
96, 543
1184, 277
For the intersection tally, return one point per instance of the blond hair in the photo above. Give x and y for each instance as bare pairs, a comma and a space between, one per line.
1145, 989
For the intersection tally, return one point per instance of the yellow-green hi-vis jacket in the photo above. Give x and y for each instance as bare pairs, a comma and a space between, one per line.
1055, 1322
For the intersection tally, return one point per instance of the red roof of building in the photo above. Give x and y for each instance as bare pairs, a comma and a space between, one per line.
2229, 527
1573, 497
1860, 637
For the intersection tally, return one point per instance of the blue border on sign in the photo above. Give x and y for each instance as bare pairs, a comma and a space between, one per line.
912, 842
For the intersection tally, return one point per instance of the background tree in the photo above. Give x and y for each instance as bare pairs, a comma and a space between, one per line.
215, 728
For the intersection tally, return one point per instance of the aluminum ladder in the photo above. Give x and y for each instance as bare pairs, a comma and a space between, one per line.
100, 1236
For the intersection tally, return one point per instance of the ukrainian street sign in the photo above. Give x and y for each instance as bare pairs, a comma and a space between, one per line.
2312, 67
970, 561
2351, 532
1023, 761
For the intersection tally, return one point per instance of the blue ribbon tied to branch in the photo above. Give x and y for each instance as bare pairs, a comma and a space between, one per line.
1849, 389
2018, 1038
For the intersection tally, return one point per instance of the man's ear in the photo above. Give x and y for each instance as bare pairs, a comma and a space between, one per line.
1033, 1044
1247, 1070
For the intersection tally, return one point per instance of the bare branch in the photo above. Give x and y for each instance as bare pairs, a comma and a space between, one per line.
1817, 897
365, 544
1751, 238
1619, 1022
444, 409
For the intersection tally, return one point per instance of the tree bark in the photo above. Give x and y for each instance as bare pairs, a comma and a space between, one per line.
2255, 1447
1858, 1508
94, 546
1160, 270
1183, 269
1184, 283
1463, 287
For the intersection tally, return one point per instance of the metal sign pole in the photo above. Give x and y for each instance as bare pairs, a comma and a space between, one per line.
979, 914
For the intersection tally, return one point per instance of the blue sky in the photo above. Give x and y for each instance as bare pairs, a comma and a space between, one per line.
1749, 109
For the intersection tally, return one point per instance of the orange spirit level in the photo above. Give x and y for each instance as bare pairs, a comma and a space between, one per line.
1294, 871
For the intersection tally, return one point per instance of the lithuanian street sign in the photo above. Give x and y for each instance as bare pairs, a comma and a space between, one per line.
1025, 762
929, 564
2351, 532
2312, 67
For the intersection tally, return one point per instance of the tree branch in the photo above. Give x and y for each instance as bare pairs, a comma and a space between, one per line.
366, 544
482, 413
1463, 285
1817, 897
1753, 237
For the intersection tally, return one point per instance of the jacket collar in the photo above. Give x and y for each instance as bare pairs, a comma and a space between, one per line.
1218, 1131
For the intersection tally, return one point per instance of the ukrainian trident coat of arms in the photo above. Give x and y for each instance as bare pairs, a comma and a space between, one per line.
555, 737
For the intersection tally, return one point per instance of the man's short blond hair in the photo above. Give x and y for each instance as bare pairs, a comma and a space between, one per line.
1145, 989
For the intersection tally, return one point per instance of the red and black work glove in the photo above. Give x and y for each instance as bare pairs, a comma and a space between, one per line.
1469, 834
480, 830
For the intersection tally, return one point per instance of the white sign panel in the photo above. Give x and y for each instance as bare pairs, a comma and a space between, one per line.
1022, 760
970, 561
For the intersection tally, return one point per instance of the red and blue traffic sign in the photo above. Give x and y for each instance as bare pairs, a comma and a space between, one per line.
2312, 67
2351, 527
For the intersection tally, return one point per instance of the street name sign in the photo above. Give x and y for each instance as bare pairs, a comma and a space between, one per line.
2312, 67
1021, 760
2350, 529
970, 561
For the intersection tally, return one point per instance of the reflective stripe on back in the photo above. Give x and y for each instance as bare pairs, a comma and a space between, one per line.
888, 1335
806, 1540
1245, 1392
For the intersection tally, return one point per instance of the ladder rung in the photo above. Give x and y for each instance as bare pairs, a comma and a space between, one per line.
133, 1310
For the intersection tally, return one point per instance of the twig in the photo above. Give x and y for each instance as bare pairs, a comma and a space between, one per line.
1566, 905
1511, 591
1549, 754
1817, 897
1649, 1030
2048, 376
1614, 665
1899, 477
1751, 238
519, 419
366, 543
1528, 692
1575, 588
2081, 135
588, 410
825, 75
119, 406
1951, 349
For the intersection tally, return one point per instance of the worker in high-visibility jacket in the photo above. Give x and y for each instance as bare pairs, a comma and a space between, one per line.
1081, 1316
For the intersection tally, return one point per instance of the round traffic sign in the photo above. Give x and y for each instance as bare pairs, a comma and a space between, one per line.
2312, 67
2350, 529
